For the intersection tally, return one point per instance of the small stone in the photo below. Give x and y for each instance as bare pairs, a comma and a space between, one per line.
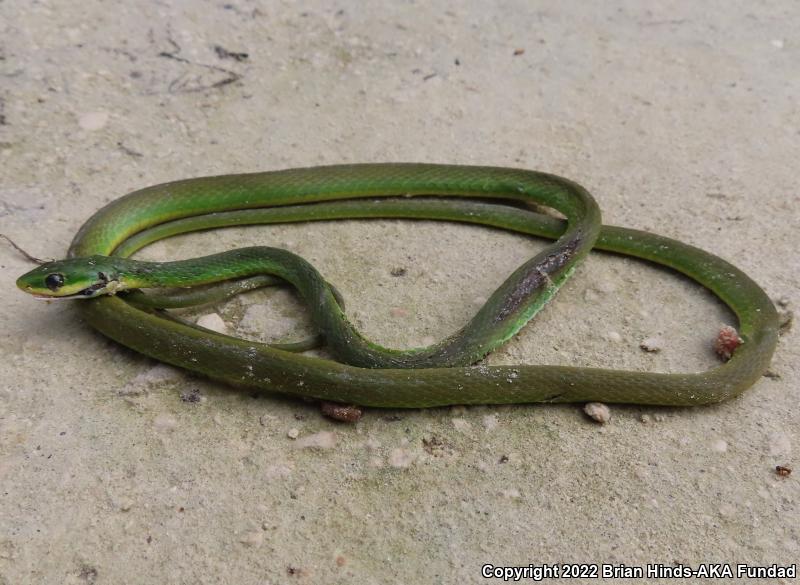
719, 446
645, 418
93, 120
213, 322
777, 43
614, 336
398, 271
652, 344
292, 433
598, 411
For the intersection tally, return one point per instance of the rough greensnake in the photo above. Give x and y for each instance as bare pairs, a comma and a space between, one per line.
98, 270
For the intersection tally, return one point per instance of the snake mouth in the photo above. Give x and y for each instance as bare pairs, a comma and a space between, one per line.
87, 293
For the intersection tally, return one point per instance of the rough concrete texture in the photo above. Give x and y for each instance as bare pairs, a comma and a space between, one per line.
680, 117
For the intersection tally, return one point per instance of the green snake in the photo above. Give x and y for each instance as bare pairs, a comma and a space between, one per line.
98, 269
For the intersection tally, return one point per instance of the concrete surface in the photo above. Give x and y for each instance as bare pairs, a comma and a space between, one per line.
681, 117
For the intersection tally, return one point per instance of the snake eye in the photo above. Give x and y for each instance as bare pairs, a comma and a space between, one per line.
54, 281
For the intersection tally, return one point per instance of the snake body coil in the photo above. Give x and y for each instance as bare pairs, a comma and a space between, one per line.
372, 375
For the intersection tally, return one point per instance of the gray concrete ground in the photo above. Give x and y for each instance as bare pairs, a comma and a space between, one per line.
681, 117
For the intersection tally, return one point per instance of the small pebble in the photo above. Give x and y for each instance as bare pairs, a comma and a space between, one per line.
292, 433
598, 411
777, 43
614, 336
652, 344
719, 446
645, 418
213, 322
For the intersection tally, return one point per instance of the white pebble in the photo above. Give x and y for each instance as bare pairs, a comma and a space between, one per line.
93, 120
213, 322
292, 433
719, 446
320, 440
598, 411
614, 336
777, 43
652, 344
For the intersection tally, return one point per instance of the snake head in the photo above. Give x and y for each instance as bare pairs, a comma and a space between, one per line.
74, 278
